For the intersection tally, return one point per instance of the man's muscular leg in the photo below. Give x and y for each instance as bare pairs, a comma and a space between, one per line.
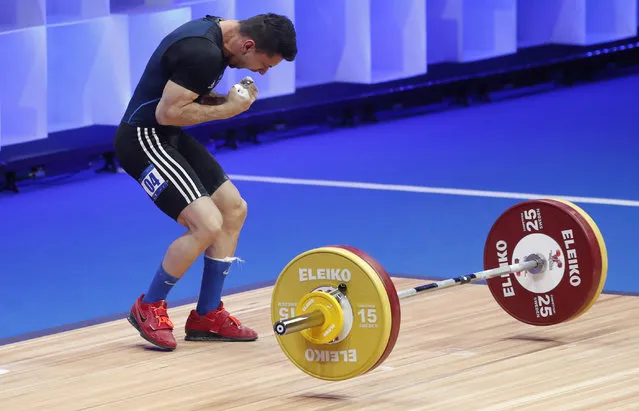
234, 209
149, 313
220, 254
210, 321
204, 223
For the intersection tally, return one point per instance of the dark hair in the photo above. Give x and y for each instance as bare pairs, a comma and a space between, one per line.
273, 34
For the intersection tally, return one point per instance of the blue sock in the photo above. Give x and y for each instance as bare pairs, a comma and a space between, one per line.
160, 286
215, 272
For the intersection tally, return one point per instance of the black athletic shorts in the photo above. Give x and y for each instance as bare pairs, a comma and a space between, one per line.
172, 167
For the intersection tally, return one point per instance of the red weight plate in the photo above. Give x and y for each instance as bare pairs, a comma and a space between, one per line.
392, 297
573, 269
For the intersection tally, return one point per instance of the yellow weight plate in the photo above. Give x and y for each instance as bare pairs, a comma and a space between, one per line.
602, 251
352, 354
330, 309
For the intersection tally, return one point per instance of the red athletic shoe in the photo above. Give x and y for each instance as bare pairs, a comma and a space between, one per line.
217, 325
153, 323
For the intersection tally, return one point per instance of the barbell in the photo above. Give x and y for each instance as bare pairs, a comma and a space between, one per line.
336, 312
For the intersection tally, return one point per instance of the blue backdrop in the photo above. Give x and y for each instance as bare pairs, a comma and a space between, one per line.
74, 63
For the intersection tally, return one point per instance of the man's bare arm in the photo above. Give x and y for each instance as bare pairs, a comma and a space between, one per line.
213, 99
177, 107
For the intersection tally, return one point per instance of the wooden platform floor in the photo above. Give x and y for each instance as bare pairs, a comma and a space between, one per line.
457, 351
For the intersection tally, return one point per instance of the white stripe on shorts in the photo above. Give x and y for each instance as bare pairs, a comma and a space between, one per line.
158, 164
177, 165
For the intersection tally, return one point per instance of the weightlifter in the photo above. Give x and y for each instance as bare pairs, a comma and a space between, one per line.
180, 175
